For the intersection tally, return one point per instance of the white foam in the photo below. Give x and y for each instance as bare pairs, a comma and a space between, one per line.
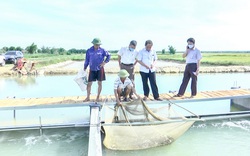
30, 141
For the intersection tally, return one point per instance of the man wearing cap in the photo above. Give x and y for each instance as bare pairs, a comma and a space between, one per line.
95, 60
147, 59
127, 60
193, 59
123, 86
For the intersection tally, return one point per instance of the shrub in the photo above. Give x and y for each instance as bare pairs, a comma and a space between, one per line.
171, 49
163, 51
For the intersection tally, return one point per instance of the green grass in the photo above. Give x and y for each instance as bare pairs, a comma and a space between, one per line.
225, 59
48, 59
213, 59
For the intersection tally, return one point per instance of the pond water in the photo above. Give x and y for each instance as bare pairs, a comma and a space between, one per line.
51, 86
222, 137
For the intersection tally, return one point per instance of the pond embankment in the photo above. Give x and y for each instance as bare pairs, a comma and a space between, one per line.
72, 67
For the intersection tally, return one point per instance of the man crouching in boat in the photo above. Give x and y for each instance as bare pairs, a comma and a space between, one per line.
123, 86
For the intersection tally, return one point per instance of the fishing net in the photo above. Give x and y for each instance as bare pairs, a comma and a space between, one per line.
134, 126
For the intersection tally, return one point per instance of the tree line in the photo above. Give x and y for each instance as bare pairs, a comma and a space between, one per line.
33, 49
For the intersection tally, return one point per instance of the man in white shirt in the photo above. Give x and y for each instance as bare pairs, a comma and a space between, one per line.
123, 86
193, 59
127, 60
147, 59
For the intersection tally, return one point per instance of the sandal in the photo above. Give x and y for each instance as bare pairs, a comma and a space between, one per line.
177, 95
145, 98
158, 99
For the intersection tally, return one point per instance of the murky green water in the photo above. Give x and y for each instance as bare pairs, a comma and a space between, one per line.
222, 137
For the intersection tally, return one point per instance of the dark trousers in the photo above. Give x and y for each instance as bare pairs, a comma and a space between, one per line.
189, 73
152, 79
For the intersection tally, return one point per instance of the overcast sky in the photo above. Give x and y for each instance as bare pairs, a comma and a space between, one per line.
215, 24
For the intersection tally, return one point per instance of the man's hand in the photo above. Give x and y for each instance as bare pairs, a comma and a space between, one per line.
102, 65
197, 72
152, 66
147, 67
119, 103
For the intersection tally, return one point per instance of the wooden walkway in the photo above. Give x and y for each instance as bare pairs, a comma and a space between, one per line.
72, 101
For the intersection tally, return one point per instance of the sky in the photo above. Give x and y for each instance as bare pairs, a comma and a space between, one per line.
216, 25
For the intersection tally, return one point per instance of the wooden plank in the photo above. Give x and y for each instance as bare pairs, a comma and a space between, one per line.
208, 94
244, 92
204, 95
216, 94
26, 102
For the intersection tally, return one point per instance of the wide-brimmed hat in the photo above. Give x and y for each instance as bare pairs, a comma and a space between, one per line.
96, 41
24, 60
123, 73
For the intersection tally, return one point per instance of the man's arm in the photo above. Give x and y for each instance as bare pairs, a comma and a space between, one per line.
198, 66
119, 61
143, 64
116, 97
185, 53
86, 63
108, 56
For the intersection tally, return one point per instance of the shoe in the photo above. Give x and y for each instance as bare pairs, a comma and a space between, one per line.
131, 97
126, 99
158, 99
192, 96
145, 98
177, 95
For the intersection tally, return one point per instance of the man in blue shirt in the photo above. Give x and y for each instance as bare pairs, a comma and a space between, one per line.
95, 60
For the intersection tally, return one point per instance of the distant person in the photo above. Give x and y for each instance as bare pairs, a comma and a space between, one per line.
127, 60
123, 86
23, 66
96, 58
193, 59
147, 59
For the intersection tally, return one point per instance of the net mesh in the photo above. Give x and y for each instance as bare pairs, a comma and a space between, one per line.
134, 126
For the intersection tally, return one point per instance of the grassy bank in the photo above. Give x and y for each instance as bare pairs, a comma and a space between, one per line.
212, 59
224, 59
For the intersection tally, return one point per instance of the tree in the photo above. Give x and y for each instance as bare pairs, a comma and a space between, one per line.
61, 51
53, 51
19, 48
12, 48
5, 49
171, 49
73, 50
32, 48
163, 51
45, 50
